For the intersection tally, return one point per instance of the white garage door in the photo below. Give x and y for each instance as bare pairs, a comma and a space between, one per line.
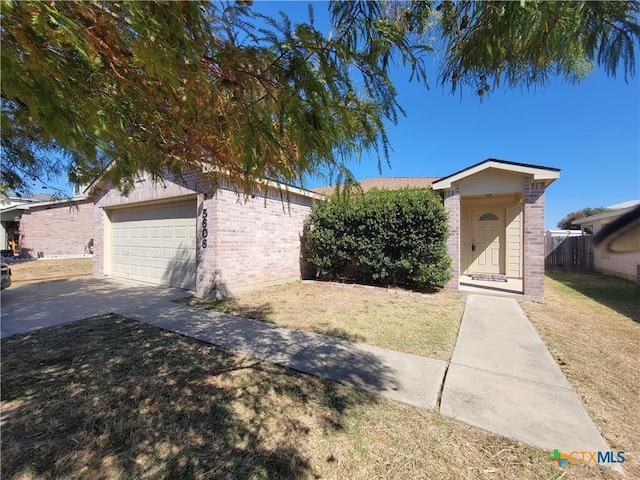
155, 244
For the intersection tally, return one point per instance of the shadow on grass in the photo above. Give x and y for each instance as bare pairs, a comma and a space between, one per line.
113, 398
616, 293
361, 283
339, 333
230, 306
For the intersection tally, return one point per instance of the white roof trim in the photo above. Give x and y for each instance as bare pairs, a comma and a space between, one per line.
537, 173
268, 183
602, 216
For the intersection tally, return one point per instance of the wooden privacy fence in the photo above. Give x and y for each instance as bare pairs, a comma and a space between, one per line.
568, 253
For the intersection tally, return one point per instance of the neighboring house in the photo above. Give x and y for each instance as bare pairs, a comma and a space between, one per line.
218, 242
496, 221
10, 210
618, 264
187, 235
40, 227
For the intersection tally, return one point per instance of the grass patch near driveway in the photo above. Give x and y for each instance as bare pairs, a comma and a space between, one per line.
45, 270
591, 325
111, 398
423, 325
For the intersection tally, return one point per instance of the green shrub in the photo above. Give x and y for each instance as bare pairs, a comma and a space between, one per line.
396, 237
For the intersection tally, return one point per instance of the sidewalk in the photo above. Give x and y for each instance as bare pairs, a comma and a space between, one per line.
503, 379
402, 377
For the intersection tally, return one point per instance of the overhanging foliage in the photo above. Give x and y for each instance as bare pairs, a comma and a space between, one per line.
162, 86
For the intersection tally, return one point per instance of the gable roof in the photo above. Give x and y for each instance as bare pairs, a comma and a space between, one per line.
385, 183
100, 182
548, 174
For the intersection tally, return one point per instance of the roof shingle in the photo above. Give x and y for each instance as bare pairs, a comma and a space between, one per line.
385, 183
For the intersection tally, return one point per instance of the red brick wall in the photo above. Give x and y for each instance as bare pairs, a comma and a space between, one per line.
58, 229
533, 243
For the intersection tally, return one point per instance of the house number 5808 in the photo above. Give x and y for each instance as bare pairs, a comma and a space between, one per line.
205, 232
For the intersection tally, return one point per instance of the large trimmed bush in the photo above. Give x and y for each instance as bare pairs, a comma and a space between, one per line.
394, 237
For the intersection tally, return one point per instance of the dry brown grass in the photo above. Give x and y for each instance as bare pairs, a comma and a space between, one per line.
420, 324
591, 325
45, 270
111, 398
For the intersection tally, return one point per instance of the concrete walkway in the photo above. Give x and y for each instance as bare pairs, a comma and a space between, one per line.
501, 377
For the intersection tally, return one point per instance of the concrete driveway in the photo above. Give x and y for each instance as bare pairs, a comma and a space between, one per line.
32, 307
399, 376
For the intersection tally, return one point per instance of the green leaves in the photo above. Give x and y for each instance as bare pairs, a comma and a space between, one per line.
393, 237
174, 87
567, 222
488, 44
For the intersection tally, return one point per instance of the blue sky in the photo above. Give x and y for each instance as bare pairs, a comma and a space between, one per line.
591, 131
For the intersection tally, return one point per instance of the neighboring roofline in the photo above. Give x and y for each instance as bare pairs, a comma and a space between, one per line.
539, 172
561, 230
627, 204
22, 206
371, 179
601, 216
43, 204
22, 199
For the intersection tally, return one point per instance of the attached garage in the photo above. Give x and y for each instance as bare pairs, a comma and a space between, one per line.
184, 234
155, 243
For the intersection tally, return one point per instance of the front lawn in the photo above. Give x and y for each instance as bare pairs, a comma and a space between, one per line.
111, 398
420, 324
591, 325
46, 270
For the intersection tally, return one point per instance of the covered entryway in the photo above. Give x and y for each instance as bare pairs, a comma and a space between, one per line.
155, 243
496, 225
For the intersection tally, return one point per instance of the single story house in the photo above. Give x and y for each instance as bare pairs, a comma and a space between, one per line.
43, 227
218, 242
624, 265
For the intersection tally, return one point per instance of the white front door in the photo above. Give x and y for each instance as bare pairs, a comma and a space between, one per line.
487, 242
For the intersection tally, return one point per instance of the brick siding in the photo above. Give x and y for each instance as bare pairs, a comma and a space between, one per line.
452, 206
623, 265
250, 242
533, 244
59, 229
253, 242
